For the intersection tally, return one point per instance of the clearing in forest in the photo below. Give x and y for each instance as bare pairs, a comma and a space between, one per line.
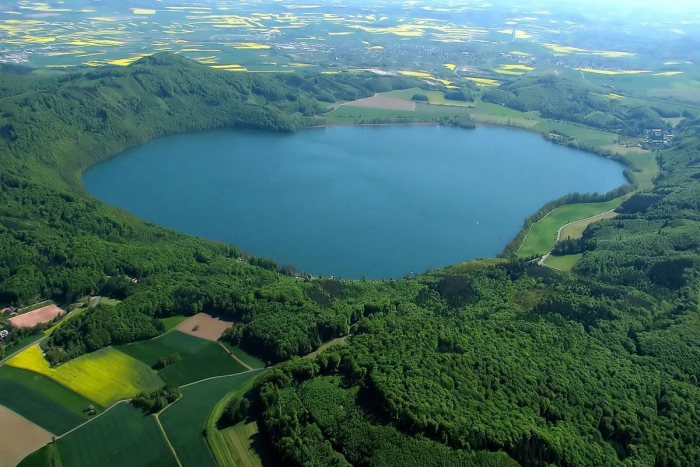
379, 101
32, 318
205, 326
19, 437
104, 376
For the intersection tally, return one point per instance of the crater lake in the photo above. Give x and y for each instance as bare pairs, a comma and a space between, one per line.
351, 201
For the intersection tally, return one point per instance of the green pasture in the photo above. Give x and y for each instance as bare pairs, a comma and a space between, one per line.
424, 112
644, 169
185, 420
563, 263
575, 230
122, 437
582, 134
200, 358
543, 235
336, 341
245, 357
41, 400
172, 321
434, 97
48, 456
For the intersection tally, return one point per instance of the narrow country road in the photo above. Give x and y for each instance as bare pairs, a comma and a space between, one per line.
542, 260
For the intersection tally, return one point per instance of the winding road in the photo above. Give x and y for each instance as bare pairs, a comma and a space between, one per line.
542, 260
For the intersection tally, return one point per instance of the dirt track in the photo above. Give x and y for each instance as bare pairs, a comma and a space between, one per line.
31, 319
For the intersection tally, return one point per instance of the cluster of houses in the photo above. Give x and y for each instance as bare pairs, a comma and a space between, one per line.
10, 312
659, 137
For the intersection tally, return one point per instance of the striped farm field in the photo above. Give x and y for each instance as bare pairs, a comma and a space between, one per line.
122, 437
104, 376
41, 400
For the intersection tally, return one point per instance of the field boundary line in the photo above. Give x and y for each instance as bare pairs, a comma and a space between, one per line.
245, 365
217, 377
167, 440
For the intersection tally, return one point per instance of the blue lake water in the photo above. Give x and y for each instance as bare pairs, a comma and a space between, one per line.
351, 201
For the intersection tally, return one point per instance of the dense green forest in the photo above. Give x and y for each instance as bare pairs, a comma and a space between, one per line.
496, 363
562, 99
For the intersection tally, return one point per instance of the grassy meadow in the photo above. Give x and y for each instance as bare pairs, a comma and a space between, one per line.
104, 376
347, 115
172, 321
122, 437
434, 97
200, 358
41, 400
245, 357
543, 235
576, 229
563, 263
184, 420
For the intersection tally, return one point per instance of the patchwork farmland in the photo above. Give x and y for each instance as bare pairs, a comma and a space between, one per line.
104, 376
197, 358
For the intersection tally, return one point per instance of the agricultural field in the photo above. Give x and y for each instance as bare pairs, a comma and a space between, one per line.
239, 445
184, 420
253, 362
380, 101
543, 235
434, 97
41, 400
42, 457
587, 136
243, 444
423, 112
19, 437
204, 326
563, 263
172, 321
575, 230
121, 437
200, 358
104, 376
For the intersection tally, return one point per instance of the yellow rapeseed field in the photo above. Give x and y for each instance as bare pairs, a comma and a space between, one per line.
612, 72
416, 74
104, 377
